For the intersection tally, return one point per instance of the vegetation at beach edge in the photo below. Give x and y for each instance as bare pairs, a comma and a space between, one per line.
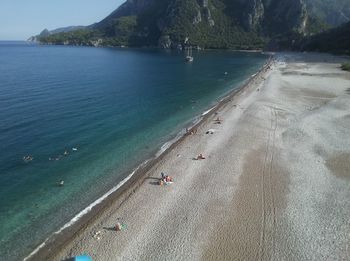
346, 66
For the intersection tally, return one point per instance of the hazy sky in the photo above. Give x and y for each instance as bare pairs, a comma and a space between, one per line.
20, 19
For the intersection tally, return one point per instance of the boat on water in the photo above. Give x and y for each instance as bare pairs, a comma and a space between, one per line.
189, 57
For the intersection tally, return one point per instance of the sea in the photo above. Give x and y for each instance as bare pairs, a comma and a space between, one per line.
88, 117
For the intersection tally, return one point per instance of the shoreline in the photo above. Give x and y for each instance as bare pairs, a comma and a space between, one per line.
128, 186
148, 47
275, 164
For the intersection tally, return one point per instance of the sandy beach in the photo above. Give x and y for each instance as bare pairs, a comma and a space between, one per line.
275, 184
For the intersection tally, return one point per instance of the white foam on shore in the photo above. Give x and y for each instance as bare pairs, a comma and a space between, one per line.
181, 133
206, 112
87, 209
168, 144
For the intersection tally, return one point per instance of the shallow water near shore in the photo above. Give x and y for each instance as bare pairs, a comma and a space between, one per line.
115, 106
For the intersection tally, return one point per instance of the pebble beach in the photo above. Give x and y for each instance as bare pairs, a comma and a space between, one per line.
274, 184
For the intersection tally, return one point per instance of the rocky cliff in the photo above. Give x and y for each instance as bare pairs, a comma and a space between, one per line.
332, 12
243, 24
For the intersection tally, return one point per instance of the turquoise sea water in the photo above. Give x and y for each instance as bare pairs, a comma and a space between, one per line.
116, 106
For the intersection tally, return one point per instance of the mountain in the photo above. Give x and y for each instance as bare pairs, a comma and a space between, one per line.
66, 29
47, 33
237, 24
332, 12
336, 40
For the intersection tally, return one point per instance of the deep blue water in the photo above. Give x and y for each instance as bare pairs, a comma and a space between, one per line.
116, 106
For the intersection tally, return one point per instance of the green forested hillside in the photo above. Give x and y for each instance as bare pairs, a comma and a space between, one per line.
236, 24
332, 12
336, 41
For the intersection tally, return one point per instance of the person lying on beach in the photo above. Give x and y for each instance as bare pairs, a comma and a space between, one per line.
165, 179
218, 120
192, 131
118, 227
97, 235
211, 131
200, 157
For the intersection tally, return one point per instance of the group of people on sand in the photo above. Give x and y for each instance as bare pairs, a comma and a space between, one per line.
165, 179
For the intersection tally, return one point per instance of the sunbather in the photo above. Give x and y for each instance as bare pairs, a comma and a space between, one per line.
200, 157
